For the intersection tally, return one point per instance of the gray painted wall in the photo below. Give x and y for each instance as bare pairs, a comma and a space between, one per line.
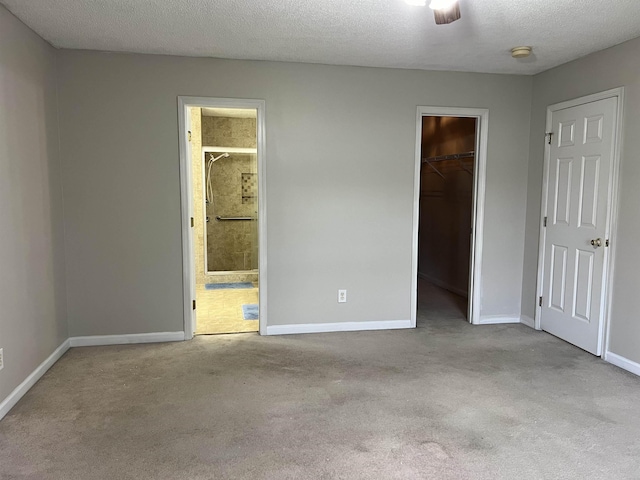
615, 67
32, 280
340, 153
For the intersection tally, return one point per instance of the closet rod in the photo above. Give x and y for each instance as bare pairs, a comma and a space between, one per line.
455, 156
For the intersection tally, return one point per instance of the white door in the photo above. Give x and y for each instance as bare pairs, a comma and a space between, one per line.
575, 236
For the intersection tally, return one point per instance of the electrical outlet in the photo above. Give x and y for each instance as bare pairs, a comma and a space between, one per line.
342, 296
1, 359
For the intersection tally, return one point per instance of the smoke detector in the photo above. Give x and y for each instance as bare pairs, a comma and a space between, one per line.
520, 52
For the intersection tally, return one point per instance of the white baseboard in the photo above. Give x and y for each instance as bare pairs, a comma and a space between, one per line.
497, 319
528, 321
13, 398
337, 327
98, 340
622, 362
446, 286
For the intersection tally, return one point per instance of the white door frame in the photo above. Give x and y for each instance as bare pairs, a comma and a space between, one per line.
612, 213
479, 186
188, 261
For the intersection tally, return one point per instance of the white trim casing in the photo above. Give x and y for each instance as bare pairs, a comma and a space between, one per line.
613, 222
188, 262
479, 179
19, 392
127, 339
188, 259
337, 327
612, 214
528, 321
622, 362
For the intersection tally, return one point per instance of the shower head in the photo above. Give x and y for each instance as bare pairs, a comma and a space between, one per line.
212, 159
223, 155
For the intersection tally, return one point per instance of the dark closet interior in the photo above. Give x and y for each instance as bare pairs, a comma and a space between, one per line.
446, 202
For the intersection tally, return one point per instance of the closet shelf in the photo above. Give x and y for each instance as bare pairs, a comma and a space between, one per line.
454, 156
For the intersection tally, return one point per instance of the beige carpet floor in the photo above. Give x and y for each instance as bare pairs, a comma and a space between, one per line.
444, 401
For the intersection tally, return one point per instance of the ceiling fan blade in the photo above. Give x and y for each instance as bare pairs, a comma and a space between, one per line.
448, 15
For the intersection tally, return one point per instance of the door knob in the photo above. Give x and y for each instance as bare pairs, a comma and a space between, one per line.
596, 242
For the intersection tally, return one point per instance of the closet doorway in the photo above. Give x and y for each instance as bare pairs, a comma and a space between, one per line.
450, 160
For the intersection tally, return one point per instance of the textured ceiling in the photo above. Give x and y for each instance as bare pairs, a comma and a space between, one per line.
381, 33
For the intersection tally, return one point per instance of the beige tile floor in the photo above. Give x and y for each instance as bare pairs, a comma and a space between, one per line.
220, 311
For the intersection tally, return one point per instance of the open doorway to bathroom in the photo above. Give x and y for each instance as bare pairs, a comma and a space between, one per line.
222, 167
451, 156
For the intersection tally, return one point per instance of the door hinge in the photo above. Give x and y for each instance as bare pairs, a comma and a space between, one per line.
606, 243
193, 222
189, 135
540, 302
545, 221
550, 135
194, 304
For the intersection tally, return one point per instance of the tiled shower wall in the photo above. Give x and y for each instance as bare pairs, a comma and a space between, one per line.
229, 132
232, 245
